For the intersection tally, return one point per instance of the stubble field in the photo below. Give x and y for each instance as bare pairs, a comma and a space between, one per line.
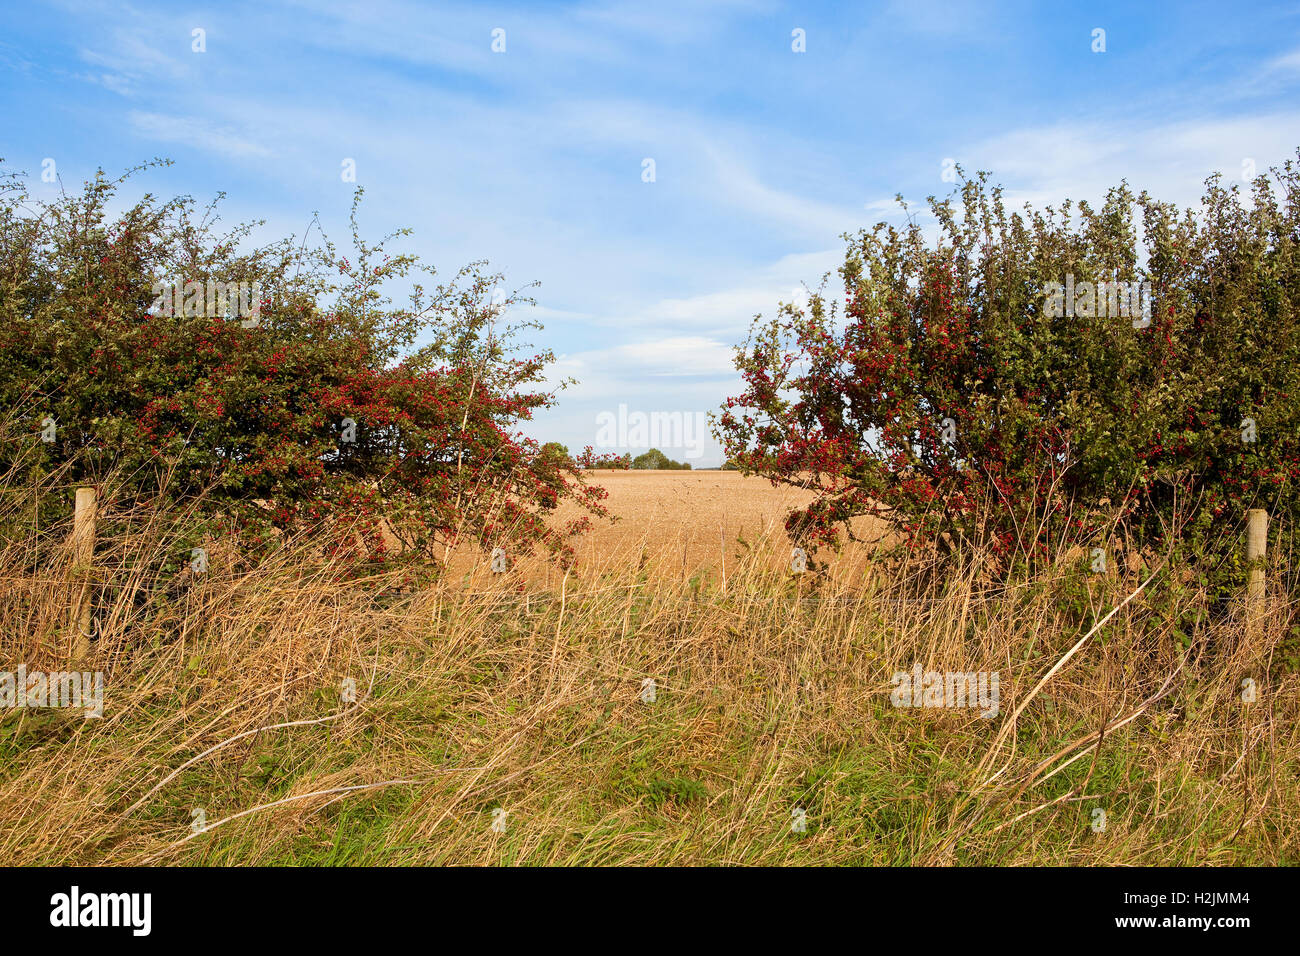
687, 523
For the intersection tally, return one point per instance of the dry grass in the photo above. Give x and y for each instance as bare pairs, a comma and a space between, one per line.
516, 693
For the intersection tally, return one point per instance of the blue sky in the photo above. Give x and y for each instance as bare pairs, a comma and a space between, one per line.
532, 158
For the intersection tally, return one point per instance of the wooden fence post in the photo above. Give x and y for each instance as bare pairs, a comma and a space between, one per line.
83, 557
1256, 549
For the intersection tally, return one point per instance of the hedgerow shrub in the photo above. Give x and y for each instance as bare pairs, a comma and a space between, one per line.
608, 460
304, 402
956, 394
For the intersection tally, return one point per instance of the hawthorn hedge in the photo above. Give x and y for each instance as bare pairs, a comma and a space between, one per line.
304, 401
1127, 375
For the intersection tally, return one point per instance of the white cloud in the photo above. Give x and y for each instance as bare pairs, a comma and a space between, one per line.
756, 291
131, 54
545, 315
1286, 63
742, 188
197, 133
661, 358
116, 82
1171, 160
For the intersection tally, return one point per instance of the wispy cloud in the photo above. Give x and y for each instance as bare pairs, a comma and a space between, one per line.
1171, 160
196, 133
1286, 63
741, 187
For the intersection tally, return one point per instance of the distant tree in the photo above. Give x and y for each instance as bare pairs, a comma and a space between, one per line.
554, 451
655, 460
